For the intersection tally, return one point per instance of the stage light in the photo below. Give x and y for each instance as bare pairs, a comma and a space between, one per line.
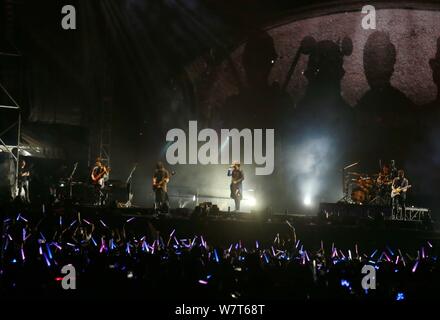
310, 167
194, 198
400, 296
307, 201
252, 201
345, 283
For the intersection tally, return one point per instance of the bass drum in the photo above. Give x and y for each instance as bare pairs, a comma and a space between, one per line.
360, 196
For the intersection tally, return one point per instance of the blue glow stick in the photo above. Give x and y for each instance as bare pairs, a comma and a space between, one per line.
49, 252
266, 258
390, 251
46, 259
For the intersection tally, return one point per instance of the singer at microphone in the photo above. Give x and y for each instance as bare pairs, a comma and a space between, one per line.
237, 177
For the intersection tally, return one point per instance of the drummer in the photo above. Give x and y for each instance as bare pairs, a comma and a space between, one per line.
384, 176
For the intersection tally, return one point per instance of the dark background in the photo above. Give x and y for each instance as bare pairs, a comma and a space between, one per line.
137, 60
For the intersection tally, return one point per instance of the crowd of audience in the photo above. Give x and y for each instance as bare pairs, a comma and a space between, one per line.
115, 262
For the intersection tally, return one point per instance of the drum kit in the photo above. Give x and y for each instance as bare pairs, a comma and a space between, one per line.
369, 189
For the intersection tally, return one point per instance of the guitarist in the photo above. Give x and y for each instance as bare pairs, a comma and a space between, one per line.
161, 178
99, 175
398, 193
24, 175
237, 177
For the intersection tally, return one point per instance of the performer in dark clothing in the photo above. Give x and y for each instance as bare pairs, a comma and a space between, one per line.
161, 178
24, 175
398, 193
394, 171
99, 176
237, 177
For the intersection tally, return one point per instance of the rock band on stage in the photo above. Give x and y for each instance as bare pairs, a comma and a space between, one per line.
388, 189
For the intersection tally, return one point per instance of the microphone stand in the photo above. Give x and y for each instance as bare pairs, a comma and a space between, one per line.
70, 179
128, 182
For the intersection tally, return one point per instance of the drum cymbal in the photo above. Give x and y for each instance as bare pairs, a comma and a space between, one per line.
354, 173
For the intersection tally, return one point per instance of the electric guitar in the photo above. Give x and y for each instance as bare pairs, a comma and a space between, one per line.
95, 179
397, 191
161, 184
